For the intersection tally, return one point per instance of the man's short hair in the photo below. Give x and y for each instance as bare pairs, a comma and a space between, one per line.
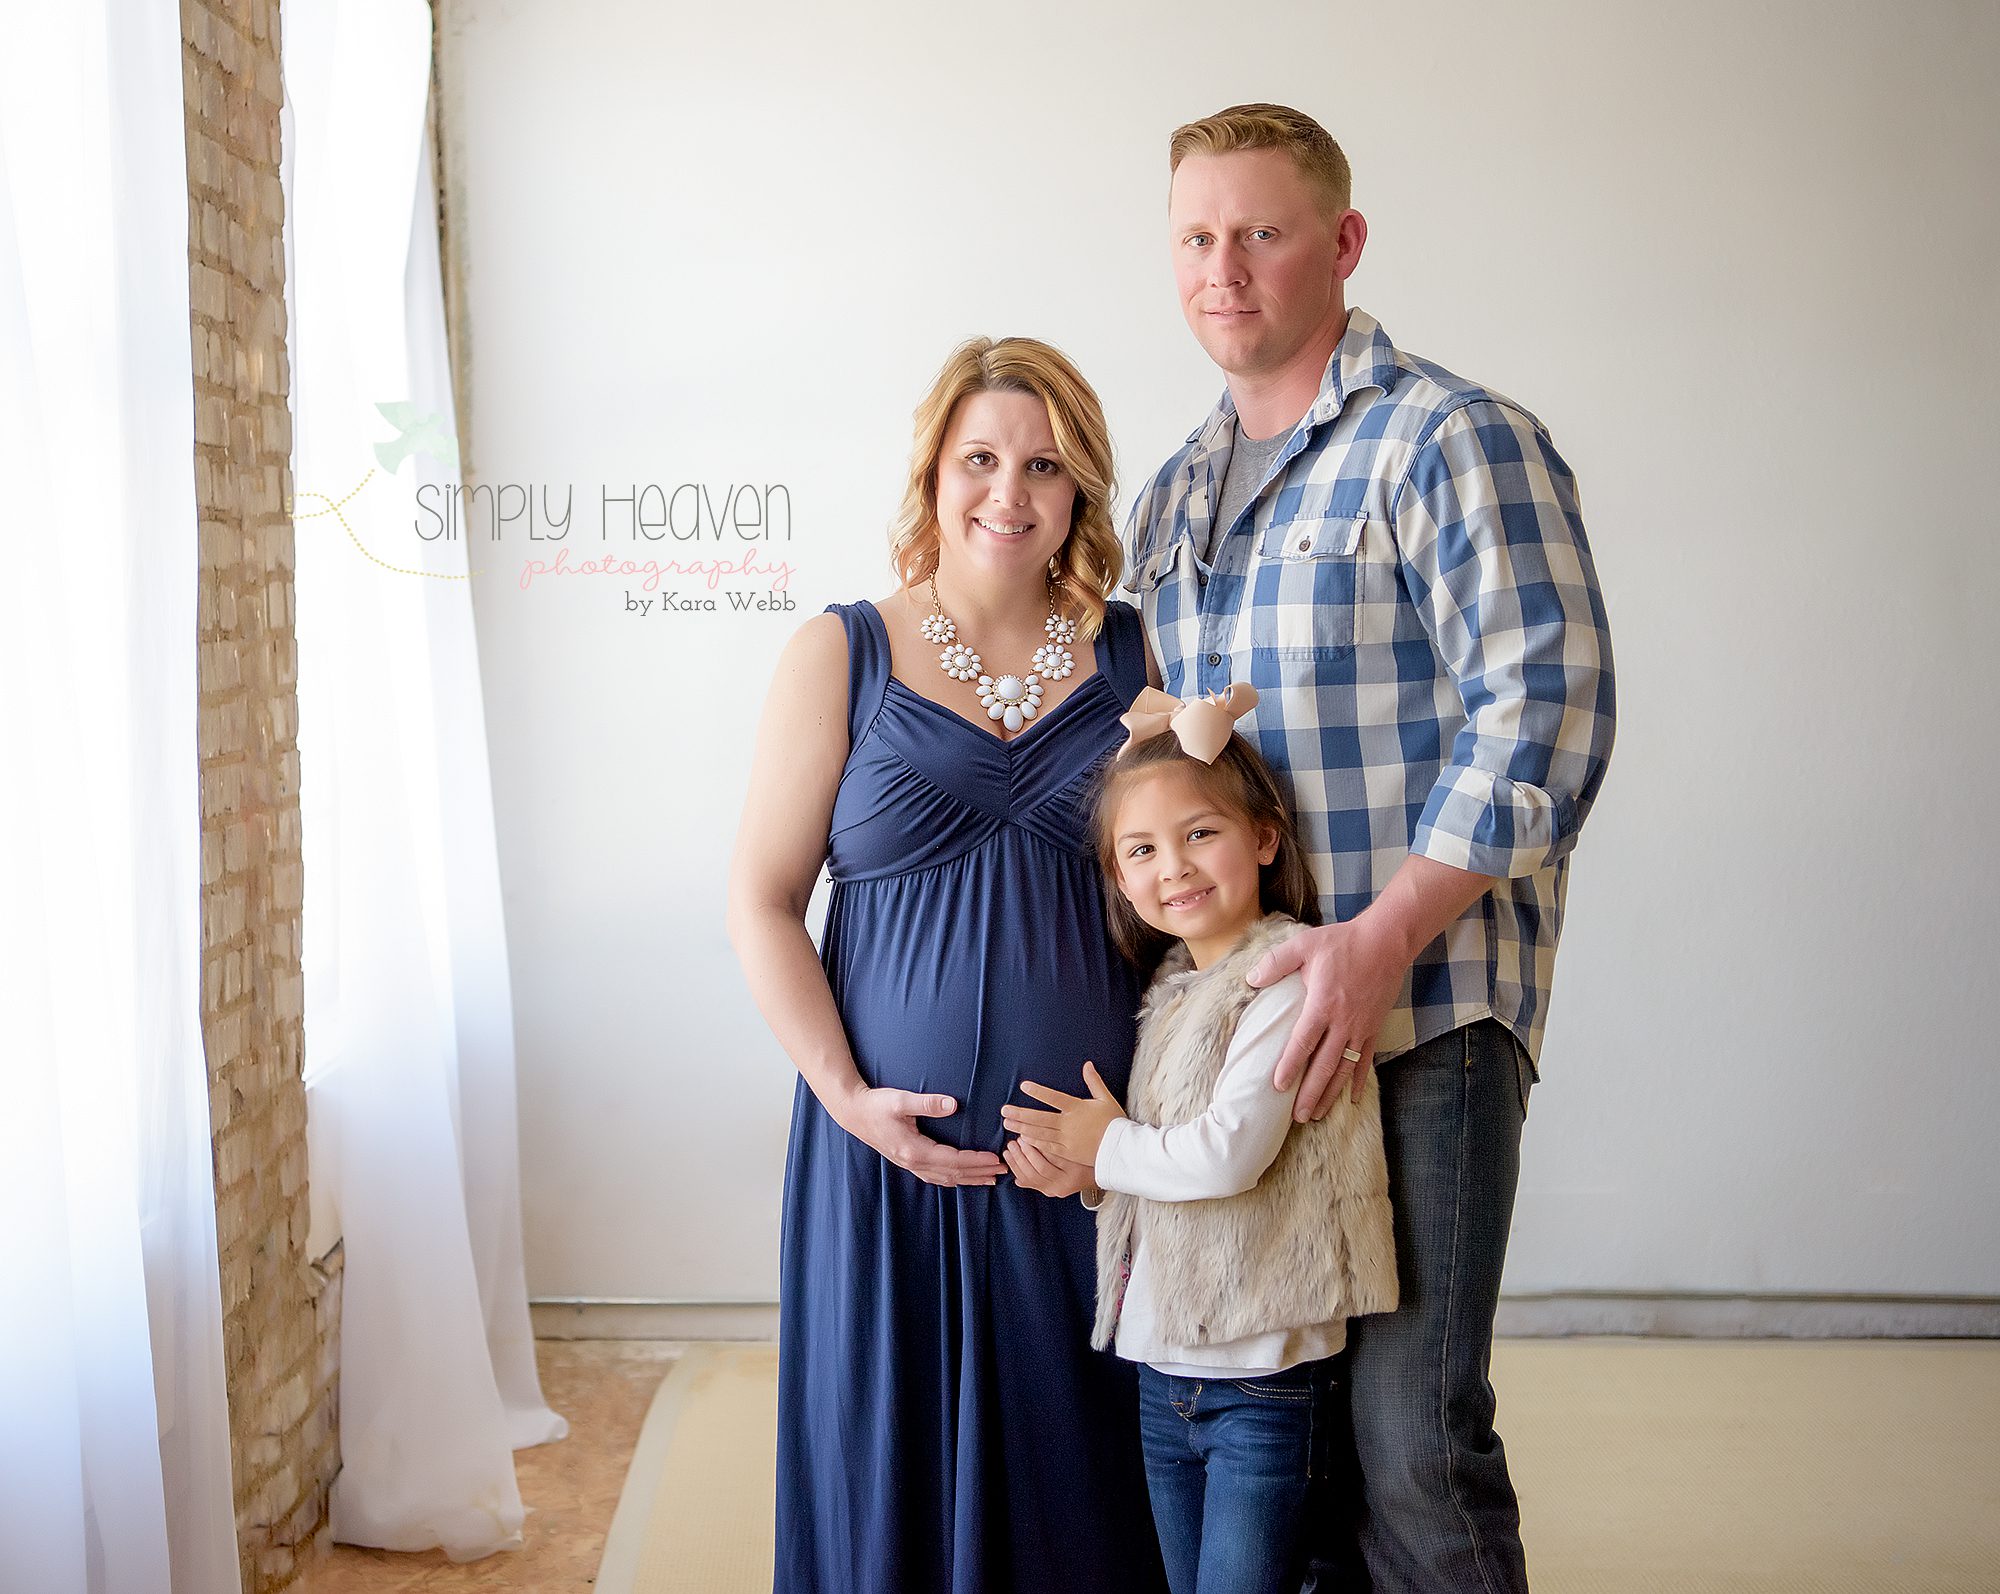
1245, 127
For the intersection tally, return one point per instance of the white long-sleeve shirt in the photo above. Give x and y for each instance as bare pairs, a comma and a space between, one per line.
1221, 1153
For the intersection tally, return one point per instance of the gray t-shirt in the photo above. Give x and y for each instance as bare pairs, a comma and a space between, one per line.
1249, 460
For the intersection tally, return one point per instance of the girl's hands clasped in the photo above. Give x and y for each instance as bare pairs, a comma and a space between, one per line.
887, 1120
1075, 1129
1050, 1176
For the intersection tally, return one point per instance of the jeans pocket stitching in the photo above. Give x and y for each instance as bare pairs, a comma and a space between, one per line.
1525, 1075
1299, 1396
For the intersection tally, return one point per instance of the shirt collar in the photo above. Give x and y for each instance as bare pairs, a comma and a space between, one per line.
1364, 358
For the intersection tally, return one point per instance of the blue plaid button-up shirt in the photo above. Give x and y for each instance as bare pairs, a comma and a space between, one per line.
1411, 594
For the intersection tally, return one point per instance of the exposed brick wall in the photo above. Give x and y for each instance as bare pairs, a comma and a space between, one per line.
280, 1311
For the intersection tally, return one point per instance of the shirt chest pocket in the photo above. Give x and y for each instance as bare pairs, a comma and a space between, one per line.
1163, 580
1154, 566
1305, 584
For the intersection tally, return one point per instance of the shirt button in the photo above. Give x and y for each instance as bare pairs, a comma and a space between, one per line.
1215, 658
1305, 545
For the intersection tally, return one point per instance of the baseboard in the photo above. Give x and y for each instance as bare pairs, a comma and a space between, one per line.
1750, 1316
1521, 1317
588, 1319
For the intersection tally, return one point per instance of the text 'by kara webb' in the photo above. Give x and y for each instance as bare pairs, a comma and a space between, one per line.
691, 512
741, 602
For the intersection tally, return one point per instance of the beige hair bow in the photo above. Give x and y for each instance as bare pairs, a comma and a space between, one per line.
1204, 725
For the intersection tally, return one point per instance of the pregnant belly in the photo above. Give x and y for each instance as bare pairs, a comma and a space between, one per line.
975, 1039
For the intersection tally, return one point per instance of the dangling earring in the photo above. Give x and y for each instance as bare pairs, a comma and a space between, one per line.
1061, 628
1053, 659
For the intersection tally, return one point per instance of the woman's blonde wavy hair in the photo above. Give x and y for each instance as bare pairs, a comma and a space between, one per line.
1090, 560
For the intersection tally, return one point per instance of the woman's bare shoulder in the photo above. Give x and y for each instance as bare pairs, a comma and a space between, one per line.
818, 641
811, 674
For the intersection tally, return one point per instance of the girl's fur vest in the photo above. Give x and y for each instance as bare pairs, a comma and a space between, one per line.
1310, 1242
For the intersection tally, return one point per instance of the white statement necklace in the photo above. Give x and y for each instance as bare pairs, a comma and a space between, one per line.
1011, 699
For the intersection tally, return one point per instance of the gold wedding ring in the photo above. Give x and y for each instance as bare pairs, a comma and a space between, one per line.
1349, 1054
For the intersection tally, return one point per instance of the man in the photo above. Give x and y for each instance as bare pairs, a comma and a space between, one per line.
1394, 558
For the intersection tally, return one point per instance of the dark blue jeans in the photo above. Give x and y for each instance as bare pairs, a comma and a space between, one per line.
1228, 1465
1433, 1510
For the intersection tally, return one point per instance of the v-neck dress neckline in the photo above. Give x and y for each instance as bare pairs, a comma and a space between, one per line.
1098, 653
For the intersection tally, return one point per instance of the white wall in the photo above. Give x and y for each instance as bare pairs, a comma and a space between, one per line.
1739, 259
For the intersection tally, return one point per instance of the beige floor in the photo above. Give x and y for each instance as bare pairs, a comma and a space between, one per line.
698, 1515
1645, 1467
1718, 1467
570, 1488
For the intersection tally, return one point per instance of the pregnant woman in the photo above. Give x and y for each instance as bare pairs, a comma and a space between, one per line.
943, 1427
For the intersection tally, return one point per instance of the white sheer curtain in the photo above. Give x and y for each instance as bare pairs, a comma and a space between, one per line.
409, 1032
114, 1430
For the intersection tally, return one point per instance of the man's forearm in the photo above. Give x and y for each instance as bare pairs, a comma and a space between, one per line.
1420, 901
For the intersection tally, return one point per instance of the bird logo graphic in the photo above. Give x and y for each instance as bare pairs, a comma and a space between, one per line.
418, 432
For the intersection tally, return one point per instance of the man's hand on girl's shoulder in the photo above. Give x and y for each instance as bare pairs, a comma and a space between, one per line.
1352, 979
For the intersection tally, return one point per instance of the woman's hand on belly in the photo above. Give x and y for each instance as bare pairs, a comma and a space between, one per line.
886, 1120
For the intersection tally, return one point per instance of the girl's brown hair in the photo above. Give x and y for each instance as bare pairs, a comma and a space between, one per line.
1239, 782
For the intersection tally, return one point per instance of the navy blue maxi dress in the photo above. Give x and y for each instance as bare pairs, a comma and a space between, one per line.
943, 1425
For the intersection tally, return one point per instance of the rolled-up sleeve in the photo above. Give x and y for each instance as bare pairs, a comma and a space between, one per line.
1492, 547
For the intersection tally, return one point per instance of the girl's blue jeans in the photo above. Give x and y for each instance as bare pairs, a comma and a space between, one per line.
1228, 1464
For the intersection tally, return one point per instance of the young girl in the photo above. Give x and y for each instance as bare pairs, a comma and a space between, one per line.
1232, 1245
